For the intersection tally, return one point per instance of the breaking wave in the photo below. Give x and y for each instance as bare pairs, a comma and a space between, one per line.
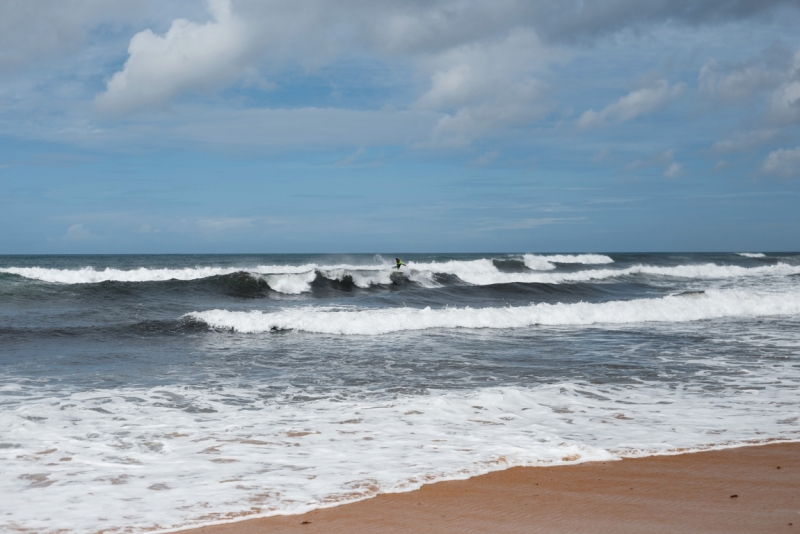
546, 263
751, 254
89, 275
296, 279
287, 279
675, 308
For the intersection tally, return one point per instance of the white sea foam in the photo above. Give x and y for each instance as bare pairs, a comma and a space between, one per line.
167, 457
290, 284
588, 259
672, 309
537, 263
752, 254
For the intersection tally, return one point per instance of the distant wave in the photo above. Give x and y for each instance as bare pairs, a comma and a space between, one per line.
676, 308
88, 275
483, 272
296, 279
751, 254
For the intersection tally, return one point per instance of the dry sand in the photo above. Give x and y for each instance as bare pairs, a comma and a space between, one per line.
748, 489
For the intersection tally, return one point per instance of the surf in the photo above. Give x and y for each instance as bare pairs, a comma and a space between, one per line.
670, 309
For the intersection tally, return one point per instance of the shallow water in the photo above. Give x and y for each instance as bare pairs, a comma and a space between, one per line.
165, 391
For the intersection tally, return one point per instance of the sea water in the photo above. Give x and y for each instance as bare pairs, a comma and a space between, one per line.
159, 392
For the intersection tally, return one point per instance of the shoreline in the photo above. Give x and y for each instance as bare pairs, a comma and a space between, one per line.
692, 491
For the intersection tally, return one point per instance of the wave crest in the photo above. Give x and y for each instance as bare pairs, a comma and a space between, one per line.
538, 262
677, 308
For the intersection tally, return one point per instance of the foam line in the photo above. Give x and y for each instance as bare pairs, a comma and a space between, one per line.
670, 309
588, 259
187, 456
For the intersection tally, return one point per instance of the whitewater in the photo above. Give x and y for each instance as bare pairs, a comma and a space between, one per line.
151, 393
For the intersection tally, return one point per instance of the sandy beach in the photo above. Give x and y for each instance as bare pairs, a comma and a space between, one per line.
747, 489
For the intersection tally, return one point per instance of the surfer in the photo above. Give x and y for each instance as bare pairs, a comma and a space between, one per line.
399, 263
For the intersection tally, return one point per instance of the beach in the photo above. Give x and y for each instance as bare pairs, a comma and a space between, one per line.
745, 489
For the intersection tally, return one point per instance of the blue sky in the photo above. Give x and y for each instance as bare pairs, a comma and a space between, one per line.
351, 126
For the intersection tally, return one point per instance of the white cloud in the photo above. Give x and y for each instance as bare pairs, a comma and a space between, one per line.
188, 57
486, 87
77, 232
745, 142
659, 158
33, 32
783, 162
481, 85
720, 165
737, 84
485, 159
777, 69
223, 224
673, 170
527, 224
786, 103
349, 160
634, 104
148, 229
666, 159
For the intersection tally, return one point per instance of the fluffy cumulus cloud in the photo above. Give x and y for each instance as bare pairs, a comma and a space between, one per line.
734, 82
188, 57
482, 88
78, 232
770, 83
783, 162
635, 104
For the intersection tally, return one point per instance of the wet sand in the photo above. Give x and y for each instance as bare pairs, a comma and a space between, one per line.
747, 490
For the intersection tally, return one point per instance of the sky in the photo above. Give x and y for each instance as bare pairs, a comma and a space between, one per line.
270, 126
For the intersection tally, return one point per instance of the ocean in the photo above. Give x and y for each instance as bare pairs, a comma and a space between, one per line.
158, 391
